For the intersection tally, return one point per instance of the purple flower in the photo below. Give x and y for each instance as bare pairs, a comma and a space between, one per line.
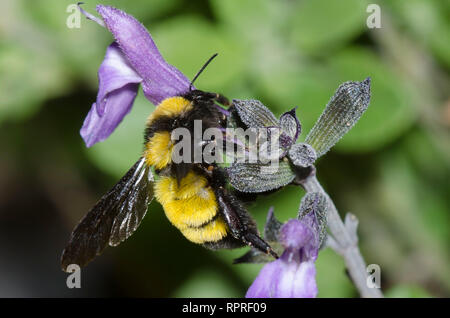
131, 60
293, 274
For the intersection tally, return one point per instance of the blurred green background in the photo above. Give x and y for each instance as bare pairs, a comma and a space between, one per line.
392, 170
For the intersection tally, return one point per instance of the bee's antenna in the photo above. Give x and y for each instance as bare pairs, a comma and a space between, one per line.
201, 70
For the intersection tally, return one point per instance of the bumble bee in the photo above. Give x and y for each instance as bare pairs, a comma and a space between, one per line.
194, 196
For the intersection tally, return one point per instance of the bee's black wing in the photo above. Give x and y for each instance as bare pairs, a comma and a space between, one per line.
113, 219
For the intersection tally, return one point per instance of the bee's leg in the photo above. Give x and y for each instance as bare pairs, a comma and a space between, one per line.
254, 240
222, 100
219, 98
240, 223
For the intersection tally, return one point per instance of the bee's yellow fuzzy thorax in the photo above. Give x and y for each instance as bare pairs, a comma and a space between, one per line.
170, 107
158, 150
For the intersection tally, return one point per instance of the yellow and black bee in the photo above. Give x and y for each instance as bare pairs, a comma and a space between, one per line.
194, 196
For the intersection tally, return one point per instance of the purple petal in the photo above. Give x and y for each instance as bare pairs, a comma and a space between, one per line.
299, 237
114, 73
118, 85
160, 79
293, 274
303, 283
282, 279
97, 128
294, 234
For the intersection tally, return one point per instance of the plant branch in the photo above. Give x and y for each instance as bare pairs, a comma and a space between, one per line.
343, 239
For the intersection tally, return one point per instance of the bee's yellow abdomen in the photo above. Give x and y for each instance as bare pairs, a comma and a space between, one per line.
167, 189
212, 232
191, 185
191, 212
191, 206
191, 203
158, 150
170, 107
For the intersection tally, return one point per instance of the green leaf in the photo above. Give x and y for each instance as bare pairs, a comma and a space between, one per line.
256, 177
252, 20
207, 284
31, 70
187, 42
143, 10
27, 78
306, 86
246, 272
391, 111
331, 278
343, 111
80, 50
52, 13
407, 291
427, 22
259, 29
429, 164
416, 211
321, 25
